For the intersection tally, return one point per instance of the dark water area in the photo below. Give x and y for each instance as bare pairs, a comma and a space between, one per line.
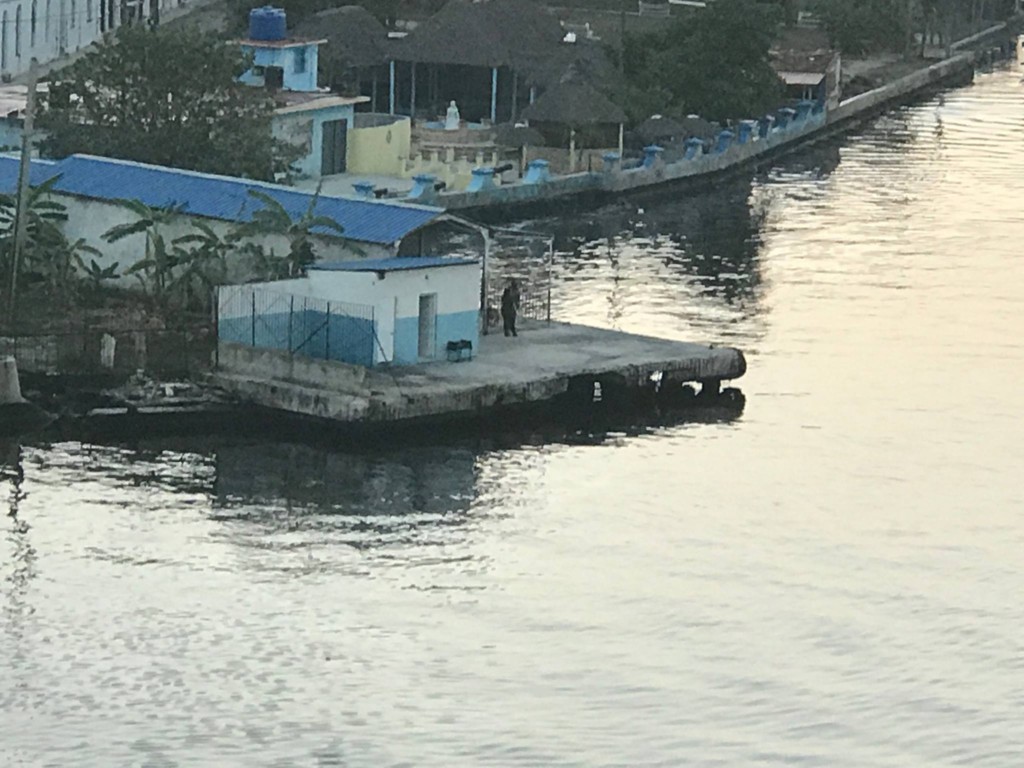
830, 575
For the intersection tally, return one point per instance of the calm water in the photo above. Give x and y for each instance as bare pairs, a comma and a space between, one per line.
831, 579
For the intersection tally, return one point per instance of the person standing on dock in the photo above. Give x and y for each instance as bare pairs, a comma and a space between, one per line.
510, 307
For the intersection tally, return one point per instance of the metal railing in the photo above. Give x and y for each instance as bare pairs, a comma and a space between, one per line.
299, 325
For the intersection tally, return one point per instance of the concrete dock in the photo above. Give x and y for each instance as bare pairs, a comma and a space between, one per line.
544, 363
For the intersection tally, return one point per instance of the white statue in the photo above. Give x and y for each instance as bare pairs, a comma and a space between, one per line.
452, 118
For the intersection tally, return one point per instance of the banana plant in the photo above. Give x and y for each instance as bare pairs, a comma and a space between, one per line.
203, 257
274, 219
42, 226
96, 274
155, 269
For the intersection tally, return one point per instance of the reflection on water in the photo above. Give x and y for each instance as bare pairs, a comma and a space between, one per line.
828, 575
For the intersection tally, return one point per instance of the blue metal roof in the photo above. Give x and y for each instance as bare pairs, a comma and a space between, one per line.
39, 171
392, 265
222, 197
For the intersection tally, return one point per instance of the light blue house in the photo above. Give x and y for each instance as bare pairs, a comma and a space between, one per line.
313, 119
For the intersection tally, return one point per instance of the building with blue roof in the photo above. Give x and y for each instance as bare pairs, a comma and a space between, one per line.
399, 311
94, 188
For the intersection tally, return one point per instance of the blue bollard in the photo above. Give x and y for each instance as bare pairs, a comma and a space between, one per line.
694, 147
537, 172
423, 185
724, 140
651, 155
483, 178
364, 189
785, 115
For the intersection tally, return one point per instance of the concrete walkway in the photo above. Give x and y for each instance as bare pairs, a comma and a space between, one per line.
539, 365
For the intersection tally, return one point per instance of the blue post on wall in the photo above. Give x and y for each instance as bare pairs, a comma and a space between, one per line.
694, 147
483, 178
423, 185
494, 95
785, 115
651, 155
747, 128
611, 161
364, 189
766, 124
537, 172
803, 109
391, 87
724, 140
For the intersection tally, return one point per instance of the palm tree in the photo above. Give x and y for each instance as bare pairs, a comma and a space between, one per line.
274, 219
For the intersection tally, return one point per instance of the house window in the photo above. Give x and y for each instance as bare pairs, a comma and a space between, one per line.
17, 31
32, 25
300, 60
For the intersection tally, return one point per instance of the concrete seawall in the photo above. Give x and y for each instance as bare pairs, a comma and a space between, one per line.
595, 187
543, 364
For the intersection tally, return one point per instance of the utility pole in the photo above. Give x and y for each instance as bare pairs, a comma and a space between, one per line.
20, 212
622, 37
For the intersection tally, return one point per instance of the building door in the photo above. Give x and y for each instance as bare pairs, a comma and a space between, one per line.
428, 324
335, 146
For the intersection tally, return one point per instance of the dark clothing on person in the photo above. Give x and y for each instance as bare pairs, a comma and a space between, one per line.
509, 310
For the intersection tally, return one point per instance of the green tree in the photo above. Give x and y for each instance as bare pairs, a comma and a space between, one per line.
167, 96
714, 63
867, 26
274, 219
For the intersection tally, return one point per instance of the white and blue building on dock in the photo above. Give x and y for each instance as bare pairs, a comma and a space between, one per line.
368, 312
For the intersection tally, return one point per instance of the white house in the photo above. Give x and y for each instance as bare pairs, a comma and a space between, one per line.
50, 29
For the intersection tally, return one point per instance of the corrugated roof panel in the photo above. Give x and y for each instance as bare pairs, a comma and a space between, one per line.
39, 172
392, 265
228, 198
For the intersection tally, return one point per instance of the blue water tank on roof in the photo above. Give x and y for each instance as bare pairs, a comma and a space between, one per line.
267, 23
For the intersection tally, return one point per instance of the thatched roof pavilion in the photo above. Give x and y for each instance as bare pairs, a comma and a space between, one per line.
574, 103
474, 52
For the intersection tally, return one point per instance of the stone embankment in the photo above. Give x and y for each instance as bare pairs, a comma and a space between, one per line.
752, 142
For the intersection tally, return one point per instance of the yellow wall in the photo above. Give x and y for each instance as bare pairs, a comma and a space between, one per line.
379, 150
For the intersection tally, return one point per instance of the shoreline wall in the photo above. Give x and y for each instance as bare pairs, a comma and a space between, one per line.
496, 201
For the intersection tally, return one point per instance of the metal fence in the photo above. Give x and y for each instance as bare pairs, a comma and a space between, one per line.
300, 325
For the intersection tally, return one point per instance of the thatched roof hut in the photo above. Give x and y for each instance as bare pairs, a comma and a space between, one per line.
576, 103
488, 33
354, 36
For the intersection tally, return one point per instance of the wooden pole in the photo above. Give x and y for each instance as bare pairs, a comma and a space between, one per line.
20, 213
412, 95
